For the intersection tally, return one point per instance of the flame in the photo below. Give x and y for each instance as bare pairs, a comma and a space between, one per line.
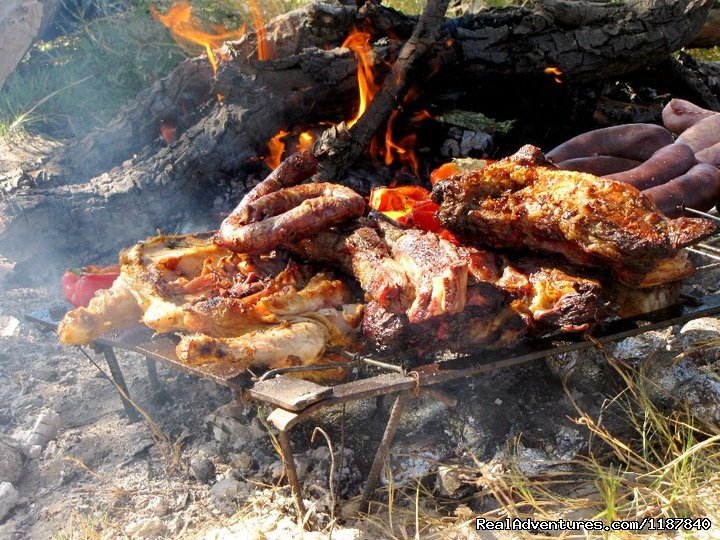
185, 29
279, 143
263, 47
421, 116
276, 147
305, 141
359, 43
168, 131
403, 150
555, 72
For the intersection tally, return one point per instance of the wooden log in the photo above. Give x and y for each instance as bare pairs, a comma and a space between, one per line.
587, 41
81, 222
338, 149
19, 24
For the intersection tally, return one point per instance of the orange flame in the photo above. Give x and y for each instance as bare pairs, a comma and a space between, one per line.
403, 150
185, 29
359, 43
555, 72
279, 143
276, 147
263, 47
421, 116
305, 141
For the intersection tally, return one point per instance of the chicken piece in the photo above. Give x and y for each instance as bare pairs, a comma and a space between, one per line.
295, 341
110, 309
189, 284
523, 203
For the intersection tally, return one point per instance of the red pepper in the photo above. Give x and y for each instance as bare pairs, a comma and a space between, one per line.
80, 285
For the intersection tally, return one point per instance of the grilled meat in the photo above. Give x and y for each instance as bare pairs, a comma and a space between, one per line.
233, 306
437, 269
302, 340
403, 270
359, 251
551, 297
489, 322
523, 203
110, 309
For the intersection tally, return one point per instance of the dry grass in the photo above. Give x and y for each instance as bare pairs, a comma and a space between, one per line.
665, 465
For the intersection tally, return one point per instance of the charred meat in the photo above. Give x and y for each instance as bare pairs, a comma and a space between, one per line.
524, 203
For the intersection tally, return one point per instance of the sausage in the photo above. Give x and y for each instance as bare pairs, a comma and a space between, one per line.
699, 188
598, 165
631, 141
293, 170
664, 165
710, 155
678, 115
703, 134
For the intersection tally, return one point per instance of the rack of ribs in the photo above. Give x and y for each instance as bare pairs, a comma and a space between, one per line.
524, 203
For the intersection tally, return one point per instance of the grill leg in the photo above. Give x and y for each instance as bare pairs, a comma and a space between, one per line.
383, 450
117, 376
291, 470
152, 374
160, 396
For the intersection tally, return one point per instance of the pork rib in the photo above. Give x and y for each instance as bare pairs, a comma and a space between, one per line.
524, 203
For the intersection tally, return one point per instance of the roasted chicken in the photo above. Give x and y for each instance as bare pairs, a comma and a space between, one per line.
264, 310
525, 203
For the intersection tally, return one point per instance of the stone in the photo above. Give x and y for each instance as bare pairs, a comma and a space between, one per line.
9, 498
202, 468
145, 528
11, 463
242, 462
159, 507
448, 480
45, 428
226, 489
9, 326
176, 525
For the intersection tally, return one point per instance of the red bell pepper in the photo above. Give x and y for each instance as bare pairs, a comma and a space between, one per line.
79, 285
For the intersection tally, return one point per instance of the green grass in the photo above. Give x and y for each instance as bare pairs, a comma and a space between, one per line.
73, 83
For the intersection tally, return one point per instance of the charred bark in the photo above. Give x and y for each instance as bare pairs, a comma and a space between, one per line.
166, 186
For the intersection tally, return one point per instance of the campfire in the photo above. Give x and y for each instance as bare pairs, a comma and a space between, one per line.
370, 230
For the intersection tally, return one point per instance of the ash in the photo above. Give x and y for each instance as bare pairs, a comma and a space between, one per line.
72, 465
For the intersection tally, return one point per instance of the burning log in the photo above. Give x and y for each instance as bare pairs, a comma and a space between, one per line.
206, 146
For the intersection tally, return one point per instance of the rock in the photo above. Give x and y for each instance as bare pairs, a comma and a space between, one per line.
699, 330
11, 463
202, 469
242, 462
227, 488
35, 451
176, 525
45, 428
159, 507
230, 427
225, 493
9, 326
9, 498
145, 528
448, 480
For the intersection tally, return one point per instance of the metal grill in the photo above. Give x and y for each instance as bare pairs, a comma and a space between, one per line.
296, 399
